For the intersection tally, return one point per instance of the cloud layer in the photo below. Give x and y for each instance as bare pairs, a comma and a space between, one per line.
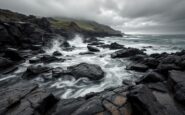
136, 16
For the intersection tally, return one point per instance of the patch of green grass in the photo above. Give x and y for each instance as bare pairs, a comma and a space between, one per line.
82, 24
64, 23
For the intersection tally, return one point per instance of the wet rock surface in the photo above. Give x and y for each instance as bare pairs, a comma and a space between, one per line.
107, 102
90, 71
93, 49
27, 99
126, 52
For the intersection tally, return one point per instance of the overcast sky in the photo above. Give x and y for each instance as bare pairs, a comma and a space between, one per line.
129, 16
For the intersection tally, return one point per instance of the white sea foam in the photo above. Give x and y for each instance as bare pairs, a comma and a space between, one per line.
114, 71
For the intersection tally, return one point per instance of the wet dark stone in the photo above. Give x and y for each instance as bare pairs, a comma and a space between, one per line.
91, 71
27, 99
93, 49
176, 77
171, 59
68, 106
151, 62
144, 102
13, 54
92, 106
86, 53
49, 59
60, 72
151, 77
127, 52
32, 71
164, 68
138, 58
176, 80
5, 63
35, 60
180, 92
96, 43
115, 45
158, 86
57, 53
138, 67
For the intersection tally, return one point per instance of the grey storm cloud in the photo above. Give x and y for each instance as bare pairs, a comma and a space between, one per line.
145, 16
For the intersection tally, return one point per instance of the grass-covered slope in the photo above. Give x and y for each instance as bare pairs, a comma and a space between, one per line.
82, 25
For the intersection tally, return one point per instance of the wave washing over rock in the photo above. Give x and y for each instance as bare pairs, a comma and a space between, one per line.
114, 69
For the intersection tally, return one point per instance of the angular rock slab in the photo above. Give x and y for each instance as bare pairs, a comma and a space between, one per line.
25, 99
144, 102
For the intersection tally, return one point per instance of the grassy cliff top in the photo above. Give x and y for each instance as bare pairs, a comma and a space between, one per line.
82, 24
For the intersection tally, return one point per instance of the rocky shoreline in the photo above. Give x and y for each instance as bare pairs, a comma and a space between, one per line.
161, 90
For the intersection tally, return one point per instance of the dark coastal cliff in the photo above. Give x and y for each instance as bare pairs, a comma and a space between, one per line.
28, 31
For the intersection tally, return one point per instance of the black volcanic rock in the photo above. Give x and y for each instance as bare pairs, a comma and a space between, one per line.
13, 54
57, 53
176, 80
49, 59
138, 67
91, 71
151, 77
126, 52
180, 92
27, 99
115, 45
32, 71
93, 49
144, 102
151, 62
5, 63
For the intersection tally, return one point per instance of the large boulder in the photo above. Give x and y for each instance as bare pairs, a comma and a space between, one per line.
34, 70
138, 67
180, 92
151, 62
171, 59
49, 59
144, 102
176, 80
127, 52
114, 46
5, 63
91, 71
151, 77
4, 35
13, 54
176, 77
57, 53
93, 49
